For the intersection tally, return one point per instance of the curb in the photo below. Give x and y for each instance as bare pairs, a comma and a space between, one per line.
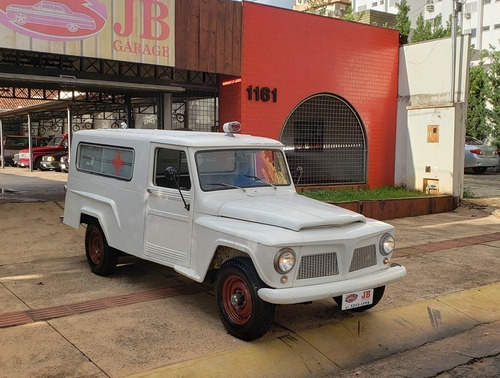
350, 342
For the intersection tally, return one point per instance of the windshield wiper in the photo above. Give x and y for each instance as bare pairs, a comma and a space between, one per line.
227, 185
261, 180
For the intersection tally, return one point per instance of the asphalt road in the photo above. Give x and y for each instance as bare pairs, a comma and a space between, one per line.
483, 185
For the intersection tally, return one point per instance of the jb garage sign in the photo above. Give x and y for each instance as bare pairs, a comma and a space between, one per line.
141, 31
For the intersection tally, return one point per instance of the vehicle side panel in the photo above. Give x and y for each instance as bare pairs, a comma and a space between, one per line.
118, 204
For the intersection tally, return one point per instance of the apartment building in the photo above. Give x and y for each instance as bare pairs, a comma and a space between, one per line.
479, 18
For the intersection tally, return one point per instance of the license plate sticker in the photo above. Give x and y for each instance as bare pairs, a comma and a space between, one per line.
357, 299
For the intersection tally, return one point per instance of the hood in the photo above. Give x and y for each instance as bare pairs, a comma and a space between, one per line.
294, 212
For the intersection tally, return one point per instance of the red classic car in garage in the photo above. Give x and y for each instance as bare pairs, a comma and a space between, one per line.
56, 145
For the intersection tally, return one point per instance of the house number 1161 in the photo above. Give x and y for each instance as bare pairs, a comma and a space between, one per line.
264, 94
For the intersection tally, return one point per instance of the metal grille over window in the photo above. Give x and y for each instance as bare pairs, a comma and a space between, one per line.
197, 115
314, 266
363, 257
325, 136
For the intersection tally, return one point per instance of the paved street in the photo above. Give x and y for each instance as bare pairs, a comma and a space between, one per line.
59, 319
483, 185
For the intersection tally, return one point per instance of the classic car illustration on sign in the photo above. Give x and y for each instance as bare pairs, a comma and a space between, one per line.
50, 13
68, 20
223, 206
141, 31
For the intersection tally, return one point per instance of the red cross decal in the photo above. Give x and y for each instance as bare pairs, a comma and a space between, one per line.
117, 162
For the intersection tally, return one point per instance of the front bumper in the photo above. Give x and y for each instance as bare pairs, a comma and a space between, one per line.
332, 289
50, 164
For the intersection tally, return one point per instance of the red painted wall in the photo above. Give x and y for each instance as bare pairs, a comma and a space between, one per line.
302, 54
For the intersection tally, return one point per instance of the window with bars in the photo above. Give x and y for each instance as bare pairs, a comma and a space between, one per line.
196, 114
325, 136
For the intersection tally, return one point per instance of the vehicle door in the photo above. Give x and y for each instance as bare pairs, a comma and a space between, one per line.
169, 214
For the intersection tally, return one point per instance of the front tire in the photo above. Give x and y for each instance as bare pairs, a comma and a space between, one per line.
100, 256
241, 310
378, 293
36, 164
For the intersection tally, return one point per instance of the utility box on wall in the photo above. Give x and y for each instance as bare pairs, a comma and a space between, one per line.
433, 134
435, 149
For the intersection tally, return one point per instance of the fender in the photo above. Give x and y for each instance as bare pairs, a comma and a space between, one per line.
84, 200
107, 201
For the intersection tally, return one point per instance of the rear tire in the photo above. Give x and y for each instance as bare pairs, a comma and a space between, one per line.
241, 310
100, 256
378, 293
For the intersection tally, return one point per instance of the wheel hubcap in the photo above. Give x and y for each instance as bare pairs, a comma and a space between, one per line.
237, 299
95, 248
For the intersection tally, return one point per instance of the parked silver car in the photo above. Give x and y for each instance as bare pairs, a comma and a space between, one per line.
480, 156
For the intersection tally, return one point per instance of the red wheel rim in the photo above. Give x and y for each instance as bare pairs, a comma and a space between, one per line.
95, 247
237, 299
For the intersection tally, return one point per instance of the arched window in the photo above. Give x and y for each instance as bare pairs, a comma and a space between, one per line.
325, 136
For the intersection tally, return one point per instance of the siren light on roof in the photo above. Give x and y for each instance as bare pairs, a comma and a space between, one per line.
232, 127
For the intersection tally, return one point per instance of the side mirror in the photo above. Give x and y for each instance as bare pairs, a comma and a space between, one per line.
171, 173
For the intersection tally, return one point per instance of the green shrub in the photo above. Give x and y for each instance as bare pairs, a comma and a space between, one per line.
468, 193
345, 195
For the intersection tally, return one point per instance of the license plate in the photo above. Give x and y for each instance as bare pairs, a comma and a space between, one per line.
357, 299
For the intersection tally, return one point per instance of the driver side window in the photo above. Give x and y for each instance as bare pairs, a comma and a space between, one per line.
176, 159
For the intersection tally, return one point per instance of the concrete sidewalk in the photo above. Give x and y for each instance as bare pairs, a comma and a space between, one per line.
58, 319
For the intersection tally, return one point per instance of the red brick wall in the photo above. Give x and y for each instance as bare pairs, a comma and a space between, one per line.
302, 54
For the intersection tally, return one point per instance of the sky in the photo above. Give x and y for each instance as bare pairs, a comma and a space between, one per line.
277, 3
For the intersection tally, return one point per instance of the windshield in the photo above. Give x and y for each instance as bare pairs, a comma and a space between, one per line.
230, 169
54, 142
472, 141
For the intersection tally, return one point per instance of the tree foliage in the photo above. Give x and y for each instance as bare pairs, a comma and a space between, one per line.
351, 16
427, 30
483, 102
317, 6
493, 73
477, 112
403, 22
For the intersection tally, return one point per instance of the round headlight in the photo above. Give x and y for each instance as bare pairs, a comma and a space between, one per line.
387, 244
284, 260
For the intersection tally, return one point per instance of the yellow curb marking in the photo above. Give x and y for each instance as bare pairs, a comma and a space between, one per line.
349, 342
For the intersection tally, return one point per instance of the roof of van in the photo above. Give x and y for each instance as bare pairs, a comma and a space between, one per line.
174, 137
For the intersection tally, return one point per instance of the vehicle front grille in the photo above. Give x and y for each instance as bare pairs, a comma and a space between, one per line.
363, 257
322, 265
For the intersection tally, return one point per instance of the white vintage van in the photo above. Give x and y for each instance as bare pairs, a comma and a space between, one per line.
200, 202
